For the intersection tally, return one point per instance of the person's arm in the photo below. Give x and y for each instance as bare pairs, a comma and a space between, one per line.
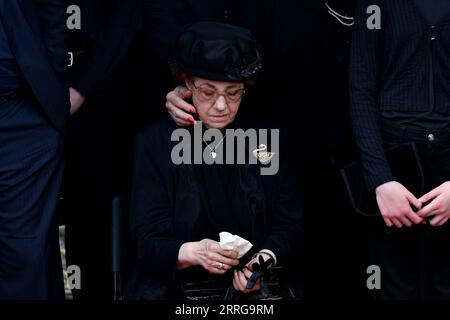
152, 216
52, 20
365, 73
152, 206
179, 109
110, 47
394, 200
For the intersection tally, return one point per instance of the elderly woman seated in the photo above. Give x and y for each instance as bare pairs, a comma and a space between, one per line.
178, 209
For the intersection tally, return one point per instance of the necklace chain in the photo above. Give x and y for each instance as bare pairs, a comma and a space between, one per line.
213, 150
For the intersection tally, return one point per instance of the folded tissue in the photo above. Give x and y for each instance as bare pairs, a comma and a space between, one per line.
229, 241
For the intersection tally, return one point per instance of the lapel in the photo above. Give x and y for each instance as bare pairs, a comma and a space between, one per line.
22, 31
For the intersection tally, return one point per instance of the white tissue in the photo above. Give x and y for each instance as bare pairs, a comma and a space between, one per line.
229, 241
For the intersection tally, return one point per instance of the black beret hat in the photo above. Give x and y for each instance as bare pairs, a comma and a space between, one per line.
218, 51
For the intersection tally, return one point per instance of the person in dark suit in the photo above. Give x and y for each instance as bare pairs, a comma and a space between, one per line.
34, 108
400, 93
179, 209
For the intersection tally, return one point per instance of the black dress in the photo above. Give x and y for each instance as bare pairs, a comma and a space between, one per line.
173, 204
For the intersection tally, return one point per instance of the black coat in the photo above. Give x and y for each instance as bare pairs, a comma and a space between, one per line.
31, 151
166, 207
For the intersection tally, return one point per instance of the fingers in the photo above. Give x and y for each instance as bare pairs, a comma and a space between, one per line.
429, 210
177, 99
237, 282
215, 247
444, 221
180, 117
215, 267
397, 223
405, 221
247, 273
218, 259
178, 108
403, 217
395, 203
430, 195
243, 280
412, 216
240, 280
439, 220
399, 220
183, 92
214, 259
388, 222
414, 201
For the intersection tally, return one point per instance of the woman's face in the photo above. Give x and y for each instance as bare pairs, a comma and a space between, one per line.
217, 102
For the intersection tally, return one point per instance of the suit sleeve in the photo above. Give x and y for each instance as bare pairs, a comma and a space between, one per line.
365, 74
152, 207
52, 19
110, 47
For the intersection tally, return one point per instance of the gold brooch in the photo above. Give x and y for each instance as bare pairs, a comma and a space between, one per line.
262, 154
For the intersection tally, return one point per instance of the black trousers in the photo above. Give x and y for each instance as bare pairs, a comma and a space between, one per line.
415, 261
31, 169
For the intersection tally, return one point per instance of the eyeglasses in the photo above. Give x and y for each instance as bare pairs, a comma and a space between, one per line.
209, 94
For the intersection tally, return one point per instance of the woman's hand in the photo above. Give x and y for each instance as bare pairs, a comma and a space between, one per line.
178, 108
241, 278
208, 254
439, 207
395, 201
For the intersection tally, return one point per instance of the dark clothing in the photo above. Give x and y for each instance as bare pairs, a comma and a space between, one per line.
173, 204
31, 151
428, 120
401, 67
108, 32
414, 261
9, 80
399, 91
433, 11
36, 32
306, 75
